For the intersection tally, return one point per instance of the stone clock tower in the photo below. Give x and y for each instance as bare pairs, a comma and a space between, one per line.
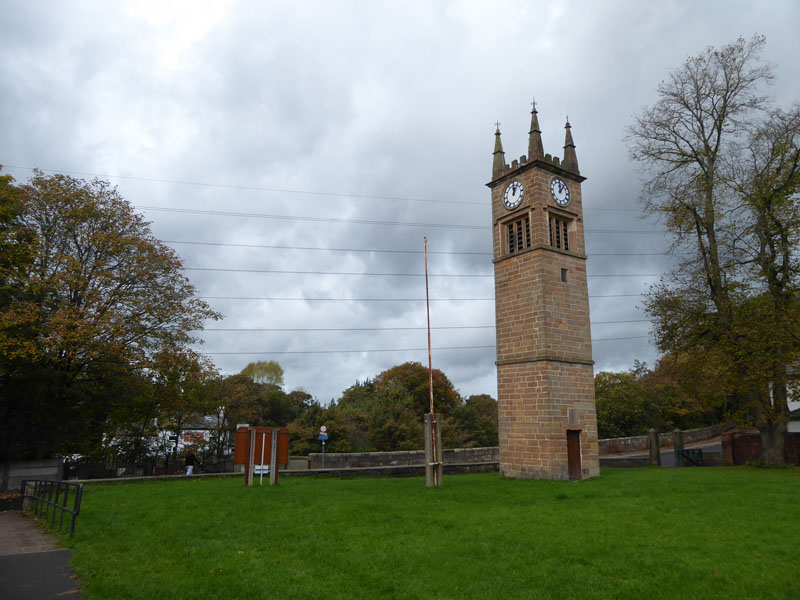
545, 375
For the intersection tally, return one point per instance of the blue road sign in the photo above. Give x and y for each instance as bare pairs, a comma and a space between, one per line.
323, 436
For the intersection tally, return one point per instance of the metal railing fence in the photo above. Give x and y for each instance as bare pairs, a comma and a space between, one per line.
46, 498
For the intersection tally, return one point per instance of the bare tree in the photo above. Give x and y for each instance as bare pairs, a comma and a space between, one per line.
720, 171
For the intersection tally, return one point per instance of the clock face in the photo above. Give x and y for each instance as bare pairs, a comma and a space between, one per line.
513, 194
560, 191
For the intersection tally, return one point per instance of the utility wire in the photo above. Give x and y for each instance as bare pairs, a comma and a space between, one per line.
375, 350
301, 299
376, 250
353, 351
282, 190
320, 329
366, 274
280, 329
222, 213
370, 274
276, 247
252, 188
345, 299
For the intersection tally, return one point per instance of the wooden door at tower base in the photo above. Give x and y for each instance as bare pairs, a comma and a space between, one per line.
574, 454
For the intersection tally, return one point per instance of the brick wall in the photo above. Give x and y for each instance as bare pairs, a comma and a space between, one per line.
740, 447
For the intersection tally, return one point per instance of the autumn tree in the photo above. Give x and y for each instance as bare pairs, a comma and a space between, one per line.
721, 173
89, 298
181, 392
415, 379
384, 414
631, 402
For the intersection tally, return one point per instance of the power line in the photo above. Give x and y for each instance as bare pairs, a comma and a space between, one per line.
345, 299
624, 274
376, 350
254, 188
371, 274
276, 247
301, 299
623, 321
284, 190
353, 351
377, 250
320, 329
221, 213
366, 274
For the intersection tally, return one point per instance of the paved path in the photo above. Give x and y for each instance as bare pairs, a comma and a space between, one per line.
32, 566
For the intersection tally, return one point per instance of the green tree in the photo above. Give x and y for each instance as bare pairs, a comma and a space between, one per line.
392, 422
304, 431
476, 419
269, 372
89, 296
181, 392
721, 172
416, 380
635, 401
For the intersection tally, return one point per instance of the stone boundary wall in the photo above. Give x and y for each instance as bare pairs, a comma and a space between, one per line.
639, 443
478, 455
417, 470
400, 458
15, 472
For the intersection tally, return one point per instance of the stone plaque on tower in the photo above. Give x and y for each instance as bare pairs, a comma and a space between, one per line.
545, 375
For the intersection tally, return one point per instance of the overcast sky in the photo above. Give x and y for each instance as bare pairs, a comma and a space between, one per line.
327, 139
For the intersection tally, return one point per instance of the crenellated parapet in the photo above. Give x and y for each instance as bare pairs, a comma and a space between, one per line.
547, 159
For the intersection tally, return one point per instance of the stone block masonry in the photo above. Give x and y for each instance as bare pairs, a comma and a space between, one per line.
542, 401
545, 377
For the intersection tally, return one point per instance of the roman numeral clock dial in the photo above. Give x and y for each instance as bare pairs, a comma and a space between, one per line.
512, 197
559, 191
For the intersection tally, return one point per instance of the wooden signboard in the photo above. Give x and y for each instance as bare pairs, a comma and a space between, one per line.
263, 435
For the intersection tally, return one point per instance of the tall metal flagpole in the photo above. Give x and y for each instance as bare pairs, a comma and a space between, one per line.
430, 369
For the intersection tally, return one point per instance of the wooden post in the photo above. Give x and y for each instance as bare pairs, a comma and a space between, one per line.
655, 451
273, 458
428, 451
251, 457
437, 451
433, 436
677, 446
433, 452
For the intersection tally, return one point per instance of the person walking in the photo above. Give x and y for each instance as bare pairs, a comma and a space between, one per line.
191, 461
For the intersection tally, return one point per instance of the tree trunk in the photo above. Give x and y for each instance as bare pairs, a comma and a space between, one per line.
772, 440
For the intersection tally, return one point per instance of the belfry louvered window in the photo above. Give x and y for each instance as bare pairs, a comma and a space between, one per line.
518, 234
559, 233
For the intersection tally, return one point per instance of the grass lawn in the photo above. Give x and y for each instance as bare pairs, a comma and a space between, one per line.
632, 533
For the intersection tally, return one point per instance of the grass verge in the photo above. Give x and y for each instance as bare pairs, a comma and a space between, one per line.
632, 533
